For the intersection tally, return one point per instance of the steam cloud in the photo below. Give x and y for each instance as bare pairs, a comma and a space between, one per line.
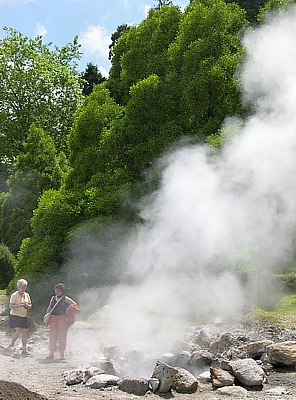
216, 213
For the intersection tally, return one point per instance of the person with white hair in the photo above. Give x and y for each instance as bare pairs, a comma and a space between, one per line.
19, 304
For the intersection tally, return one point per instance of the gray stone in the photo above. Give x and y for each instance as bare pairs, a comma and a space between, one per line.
248, 372
165, 374
184, 381
201, 358
204, 377
102, 381
137, 386
235, 391
179, 359
277, 391
153, 384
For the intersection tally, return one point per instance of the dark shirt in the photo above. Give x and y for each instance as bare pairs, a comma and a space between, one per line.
60, 309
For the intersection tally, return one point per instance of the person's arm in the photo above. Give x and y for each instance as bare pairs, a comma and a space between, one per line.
12, 304
72, 305
49, 306
26, 302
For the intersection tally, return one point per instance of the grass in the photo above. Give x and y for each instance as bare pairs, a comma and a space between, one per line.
282, 315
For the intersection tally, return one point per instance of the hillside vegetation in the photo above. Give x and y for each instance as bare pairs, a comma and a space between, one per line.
76, 165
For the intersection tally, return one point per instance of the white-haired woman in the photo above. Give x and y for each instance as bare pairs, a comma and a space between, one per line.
19, 304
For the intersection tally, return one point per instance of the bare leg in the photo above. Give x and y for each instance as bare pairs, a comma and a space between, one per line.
15, 336
25, 339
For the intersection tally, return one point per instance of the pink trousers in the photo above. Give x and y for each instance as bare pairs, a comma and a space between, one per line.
58, 332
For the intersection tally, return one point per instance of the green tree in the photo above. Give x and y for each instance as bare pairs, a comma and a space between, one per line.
92, 123
91, 77
251, 7
7, 261
142, 51
273, 5
204, 58
57, 213
37, 169
161, 3
171, 76
147, 128
37, 85
121, 29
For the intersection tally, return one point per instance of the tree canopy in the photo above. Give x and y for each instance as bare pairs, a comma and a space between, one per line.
38, 85
173, 77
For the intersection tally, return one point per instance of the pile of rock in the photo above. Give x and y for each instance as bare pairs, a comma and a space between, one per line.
231, 364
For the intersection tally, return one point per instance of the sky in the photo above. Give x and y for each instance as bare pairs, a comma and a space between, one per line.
59, 21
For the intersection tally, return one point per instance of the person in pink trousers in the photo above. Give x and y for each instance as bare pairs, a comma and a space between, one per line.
61, 308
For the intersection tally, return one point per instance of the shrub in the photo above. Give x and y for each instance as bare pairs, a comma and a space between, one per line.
7, 261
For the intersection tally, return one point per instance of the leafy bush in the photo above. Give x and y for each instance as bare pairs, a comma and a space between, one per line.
7, 261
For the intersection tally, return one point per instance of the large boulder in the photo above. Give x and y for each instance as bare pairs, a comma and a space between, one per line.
102, 381
184, 381
282, 354
248, 373
201, 358
256, 349
137, 386
180, 359
220, 377
165, 374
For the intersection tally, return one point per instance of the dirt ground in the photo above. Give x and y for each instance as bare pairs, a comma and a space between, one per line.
35, 378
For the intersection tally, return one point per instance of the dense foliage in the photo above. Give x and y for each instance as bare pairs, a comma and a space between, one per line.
38, 85
75, 165
7, 261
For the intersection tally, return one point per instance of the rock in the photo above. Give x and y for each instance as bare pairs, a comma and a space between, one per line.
180, 359
201, 358
224, 364
221, 377
184, 381
91, 371
235, 391
277, 391
137, 386
110, 367
153, 384
225, 341
282, 354
256, 349
112, 352
204, 377
79, 375
101, 381
203, 338
248, 372
73, 377
165, 374
264, 358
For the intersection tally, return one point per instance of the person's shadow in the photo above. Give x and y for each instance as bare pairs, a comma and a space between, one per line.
51, 361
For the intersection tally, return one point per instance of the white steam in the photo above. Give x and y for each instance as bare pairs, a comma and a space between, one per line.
216, 214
